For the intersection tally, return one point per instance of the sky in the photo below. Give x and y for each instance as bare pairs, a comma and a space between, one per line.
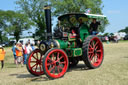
115, 10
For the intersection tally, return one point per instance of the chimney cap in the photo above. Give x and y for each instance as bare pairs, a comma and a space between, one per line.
47, 7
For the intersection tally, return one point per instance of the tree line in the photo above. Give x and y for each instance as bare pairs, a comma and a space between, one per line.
124, 30
30, 13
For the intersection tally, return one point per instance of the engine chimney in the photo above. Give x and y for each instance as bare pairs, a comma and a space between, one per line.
48, 21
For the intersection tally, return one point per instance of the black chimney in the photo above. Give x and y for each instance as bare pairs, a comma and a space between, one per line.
48, 21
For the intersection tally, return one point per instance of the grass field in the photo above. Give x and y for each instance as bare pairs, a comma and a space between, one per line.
113, 71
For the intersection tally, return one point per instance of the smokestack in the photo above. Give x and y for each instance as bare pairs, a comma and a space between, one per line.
48, 21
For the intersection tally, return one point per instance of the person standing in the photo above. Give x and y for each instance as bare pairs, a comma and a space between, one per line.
14, 52
32, 46
25, 53
107, 40
29, 49
19, 53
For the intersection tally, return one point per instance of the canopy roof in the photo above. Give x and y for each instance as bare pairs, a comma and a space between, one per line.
80, 15
96, 16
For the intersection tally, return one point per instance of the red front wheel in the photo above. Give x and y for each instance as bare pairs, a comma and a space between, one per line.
55, 63
34, 63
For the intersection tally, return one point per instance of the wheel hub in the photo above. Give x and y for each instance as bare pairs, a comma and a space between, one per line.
57, 63
38, 61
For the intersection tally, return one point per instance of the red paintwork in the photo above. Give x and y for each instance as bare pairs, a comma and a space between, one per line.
37, 63
56, 63
95, 52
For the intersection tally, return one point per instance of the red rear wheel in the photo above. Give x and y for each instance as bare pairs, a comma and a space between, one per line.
55, 63
93, 52
34, 63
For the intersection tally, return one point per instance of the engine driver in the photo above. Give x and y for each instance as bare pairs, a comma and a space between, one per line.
94, 27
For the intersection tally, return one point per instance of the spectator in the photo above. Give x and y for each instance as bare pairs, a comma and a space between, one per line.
25, 54
19, 54
38, 42
32, 46
116, 39
29, 49
14, 52
107, 40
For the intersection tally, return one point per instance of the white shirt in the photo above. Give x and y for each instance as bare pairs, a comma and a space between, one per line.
29, 49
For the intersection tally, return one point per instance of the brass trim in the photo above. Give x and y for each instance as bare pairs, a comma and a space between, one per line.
77, 49
52, 45
58, 44
48, 7
43, 47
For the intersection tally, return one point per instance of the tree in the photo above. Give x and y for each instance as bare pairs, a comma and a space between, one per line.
14, 23
34, 10
2, 26
124, 30
80, 6
105, 34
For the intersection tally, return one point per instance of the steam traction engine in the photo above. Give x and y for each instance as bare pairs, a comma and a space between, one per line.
67, 48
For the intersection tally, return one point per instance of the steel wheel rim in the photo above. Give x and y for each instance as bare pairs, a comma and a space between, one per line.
95, 52
35, 63
56, 63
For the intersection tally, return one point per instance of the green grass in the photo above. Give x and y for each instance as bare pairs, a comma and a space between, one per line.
123, 41
113, 71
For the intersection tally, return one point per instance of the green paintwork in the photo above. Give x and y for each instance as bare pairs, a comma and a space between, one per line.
84, 32
74, 52
63, 44
72, 44
69, 52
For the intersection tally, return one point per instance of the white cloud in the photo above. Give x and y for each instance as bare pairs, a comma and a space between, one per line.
113, 12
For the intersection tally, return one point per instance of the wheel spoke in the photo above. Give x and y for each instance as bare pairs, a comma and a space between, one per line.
34, 65
96, 47
48, 64
95, 58
53, 56
41, 56
98, 51
90, 52
90, 46
36, 68
34, 57
60, 67
96, 43
91, 57
33, 61
49, 59
63, 62
93, 44
60, 58
37, 55
40, 67
51, 68
58, 54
